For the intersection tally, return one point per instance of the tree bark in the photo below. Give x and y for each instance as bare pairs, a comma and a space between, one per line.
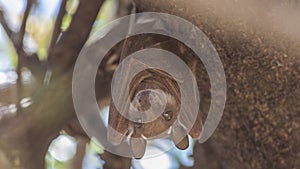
260, 126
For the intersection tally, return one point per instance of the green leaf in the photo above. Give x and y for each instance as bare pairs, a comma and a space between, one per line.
66, 22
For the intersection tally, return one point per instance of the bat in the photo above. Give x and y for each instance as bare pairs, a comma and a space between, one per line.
144, 96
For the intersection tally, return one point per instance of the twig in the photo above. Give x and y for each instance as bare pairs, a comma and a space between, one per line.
4, 24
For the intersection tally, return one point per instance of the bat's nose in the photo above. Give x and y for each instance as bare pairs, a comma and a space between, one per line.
148, 104
143, 100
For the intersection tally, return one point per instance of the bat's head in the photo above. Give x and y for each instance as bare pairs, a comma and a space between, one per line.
152, 113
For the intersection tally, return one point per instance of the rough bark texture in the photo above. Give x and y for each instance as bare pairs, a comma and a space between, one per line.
260, 127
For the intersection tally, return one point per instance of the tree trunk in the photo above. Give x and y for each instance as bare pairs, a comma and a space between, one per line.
260, 127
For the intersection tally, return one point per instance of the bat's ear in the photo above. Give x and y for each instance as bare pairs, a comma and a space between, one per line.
195, 131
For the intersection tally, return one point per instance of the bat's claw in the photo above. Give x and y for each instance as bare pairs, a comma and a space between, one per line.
115, 137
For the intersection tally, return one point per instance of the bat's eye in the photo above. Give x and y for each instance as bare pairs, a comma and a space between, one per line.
168, 115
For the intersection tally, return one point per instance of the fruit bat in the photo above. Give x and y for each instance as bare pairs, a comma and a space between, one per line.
142, 92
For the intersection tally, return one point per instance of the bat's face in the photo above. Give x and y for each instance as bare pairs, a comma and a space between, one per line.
154, 110
153, 113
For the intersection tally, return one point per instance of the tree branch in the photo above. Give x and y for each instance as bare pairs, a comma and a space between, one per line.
58, 22
20, 51
4, 24
30, 61
19, 42
78, 32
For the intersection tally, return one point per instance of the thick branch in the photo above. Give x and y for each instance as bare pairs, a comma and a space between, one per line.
58, 22
78, 32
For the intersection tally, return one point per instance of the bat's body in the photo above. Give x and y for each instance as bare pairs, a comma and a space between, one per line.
149, 91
